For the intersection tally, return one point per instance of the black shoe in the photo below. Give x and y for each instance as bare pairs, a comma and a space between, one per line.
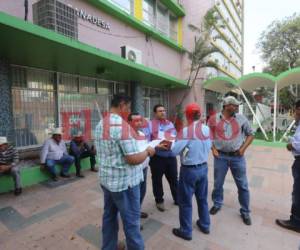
160, 207
54, 178
178, 233
214, 210
94, 169
144, 215
18, 191
65, 175
246, 219
80, 175
202, 229
288, 224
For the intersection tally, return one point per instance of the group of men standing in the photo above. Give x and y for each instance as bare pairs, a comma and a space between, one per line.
123, 162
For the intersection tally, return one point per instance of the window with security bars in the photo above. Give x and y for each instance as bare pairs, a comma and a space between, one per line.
56, 16
152, 97
83, 100
33, 105
78, 102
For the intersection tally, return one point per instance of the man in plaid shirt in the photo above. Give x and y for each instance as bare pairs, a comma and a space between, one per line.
120, 175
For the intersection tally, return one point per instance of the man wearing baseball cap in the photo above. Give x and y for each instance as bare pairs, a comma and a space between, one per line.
9, 159
193, 148
232, 134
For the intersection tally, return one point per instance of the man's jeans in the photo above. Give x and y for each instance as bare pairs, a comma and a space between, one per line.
143, 185
15, 173
126, 202
237, 165
66, 161
295, 211
193, 180
83, 155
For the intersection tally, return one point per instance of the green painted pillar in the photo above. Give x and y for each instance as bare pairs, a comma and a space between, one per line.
6, 115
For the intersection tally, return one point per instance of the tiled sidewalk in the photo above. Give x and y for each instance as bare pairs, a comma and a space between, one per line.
68, 215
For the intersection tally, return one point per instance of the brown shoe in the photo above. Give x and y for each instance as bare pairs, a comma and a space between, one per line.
144, 215
160, 207
94, 169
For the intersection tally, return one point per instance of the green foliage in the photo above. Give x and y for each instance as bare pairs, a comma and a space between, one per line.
280, 45
286, 98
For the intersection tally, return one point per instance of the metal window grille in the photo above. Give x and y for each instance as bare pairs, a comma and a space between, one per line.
33, 105
56, 16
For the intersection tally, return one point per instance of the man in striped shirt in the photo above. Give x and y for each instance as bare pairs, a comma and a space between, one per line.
9, 158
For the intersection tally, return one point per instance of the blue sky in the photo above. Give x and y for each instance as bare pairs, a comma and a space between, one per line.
258, 15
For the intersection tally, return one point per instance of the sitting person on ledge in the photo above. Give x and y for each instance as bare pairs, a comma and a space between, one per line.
9, 158
54, 151
80, 149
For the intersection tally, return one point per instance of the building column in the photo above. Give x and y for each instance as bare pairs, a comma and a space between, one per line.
137, 98
6, 115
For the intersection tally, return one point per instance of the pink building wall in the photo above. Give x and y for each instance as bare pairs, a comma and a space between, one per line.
154, 53
195, 11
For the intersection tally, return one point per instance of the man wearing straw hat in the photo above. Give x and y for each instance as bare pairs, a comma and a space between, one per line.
80, 149
9, 158
54, 152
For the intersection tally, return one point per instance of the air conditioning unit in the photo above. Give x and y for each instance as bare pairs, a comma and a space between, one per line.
131, 54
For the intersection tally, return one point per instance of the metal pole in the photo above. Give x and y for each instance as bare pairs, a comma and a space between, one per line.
287, 130
252, 111
275, 112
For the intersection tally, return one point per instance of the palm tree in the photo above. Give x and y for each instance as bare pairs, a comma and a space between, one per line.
200, 56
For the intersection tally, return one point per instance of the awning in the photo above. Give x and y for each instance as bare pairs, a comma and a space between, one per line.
253, 81
288, 77
24, 43
220, 84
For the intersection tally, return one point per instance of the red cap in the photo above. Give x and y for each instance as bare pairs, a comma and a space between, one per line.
191, 109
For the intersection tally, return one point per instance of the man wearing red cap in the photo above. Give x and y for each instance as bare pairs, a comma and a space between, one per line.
193, 148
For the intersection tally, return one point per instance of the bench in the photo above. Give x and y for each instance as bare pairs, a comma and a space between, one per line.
31, 175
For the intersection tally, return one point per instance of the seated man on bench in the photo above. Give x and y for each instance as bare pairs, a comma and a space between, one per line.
9, 159
80, 149
54, 152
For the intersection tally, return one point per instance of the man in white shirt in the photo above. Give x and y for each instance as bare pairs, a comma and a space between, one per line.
54, 152
136, 122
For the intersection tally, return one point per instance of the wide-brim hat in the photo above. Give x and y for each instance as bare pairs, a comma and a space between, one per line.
56, 131
231, 100
3, 140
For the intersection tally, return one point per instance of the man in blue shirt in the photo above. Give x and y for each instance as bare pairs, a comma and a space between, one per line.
294, 146
164, 161
194, 148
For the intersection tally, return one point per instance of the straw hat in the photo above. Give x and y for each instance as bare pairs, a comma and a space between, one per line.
3, 140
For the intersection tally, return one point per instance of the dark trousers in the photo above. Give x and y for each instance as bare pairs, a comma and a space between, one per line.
164, 166
84, 154
143, 185
295, 211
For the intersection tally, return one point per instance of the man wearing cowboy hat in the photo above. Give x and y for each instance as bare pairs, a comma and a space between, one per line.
9, 158
232, 134
80, 149
54, 151
193, 148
